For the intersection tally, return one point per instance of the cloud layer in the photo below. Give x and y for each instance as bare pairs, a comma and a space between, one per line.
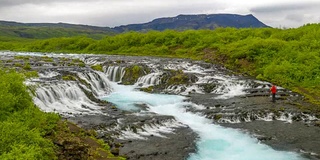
287, 13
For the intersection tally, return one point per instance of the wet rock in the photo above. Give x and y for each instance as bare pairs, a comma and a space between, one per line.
208, 87
176, 77
317, 123
142, 106
115, 151
264, 138
217, 117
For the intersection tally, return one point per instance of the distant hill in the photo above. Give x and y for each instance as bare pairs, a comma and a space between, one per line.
51, 30
202, 21
181, 22
56, 25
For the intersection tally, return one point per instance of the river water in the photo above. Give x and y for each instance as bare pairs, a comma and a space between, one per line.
215, 142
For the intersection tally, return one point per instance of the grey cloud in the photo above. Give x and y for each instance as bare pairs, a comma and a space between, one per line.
10, 3
285, 7
295, 17
126, 14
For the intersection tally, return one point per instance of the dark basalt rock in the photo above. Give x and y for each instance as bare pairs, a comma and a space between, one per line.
208, 87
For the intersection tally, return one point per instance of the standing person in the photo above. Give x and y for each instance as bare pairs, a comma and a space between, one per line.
273, 90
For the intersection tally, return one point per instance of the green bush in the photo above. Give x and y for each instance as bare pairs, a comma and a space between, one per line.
23, 126
14, 94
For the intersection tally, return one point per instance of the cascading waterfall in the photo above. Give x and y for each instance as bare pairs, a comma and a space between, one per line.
228, 86
68, 97
64, 97
115, 73
98, 81
215, 142
149, 80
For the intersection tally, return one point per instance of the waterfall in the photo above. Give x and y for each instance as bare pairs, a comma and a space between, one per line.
115, 73
98, 81
149, 79
64, 97
67, 97
227, 86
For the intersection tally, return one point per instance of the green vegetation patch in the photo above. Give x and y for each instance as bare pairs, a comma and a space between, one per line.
30, 74
97, 67
69, 78
23, 126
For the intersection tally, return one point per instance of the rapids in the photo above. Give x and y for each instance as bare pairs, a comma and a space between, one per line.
215, 142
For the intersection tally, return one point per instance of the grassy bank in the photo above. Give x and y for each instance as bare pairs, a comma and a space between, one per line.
289, 57
23, 126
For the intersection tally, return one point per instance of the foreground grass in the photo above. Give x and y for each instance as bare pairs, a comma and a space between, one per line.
23, 126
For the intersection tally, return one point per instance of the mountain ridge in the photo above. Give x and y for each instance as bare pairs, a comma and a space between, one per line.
180, 22
198, 21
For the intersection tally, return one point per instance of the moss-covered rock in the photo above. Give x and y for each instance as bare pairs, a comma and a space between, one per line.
47, 59
115, 151
217, 117
132, 73
177, 77
69, 78
97, 67
148, 89
73, 142
27, 66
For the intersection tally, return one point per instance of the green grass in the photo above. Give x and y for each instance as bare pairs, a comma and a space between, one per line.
23, 126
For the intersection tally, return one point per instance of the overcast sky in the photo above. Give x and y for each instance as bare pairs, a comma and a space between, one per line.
275, 13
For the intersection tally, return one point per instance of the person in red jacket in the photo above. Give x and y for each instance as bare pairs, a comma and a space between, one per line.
273, 90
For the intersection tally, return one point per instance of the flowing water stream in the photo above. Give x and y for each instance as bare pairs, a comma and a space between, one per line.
215, 142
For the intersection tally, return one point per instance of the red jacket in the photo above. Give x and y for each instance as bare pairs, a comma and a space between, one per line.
273, 89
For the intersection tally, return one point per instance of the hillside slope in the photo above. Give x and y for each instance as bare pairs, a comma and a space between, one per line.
51, 30
12, 30
202, 21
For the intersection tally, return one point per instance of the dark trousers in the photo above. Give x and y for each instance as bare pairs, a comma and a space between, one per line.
273, 97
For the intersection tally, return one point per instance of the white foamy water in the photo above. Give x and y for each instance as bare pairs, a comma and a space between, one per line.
64, 98
98, 81
48, 74
115, 73
229, 87
149, 80
215, 142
